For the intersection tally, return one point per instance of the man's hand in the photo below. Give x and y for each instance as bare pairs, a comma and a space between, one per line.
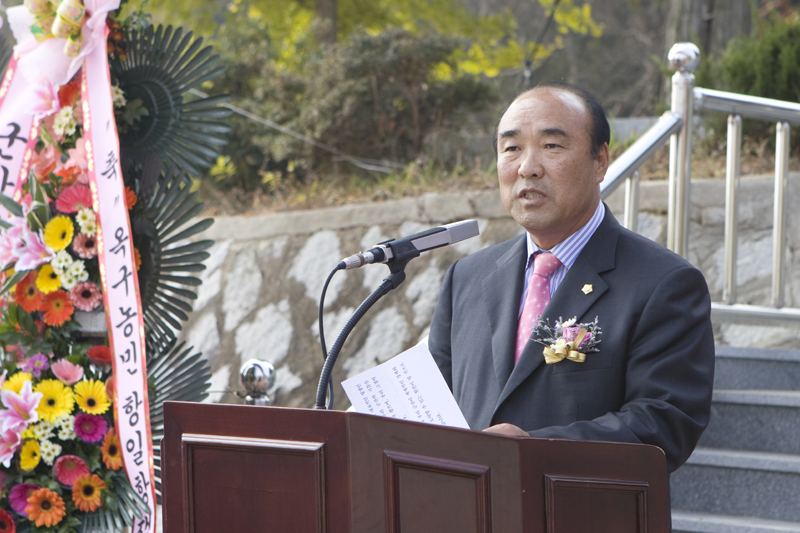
509, 430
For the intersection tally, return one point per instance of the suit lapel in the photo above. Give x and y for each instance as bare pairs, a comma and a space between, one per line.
502, 289
569, 300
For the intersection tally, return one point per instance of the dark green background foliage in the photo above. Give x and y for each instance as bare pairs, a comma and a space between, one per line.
374, 97
766, 64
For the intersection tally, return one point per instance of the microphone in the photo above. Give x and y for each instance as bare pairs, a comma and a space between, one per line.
411, 246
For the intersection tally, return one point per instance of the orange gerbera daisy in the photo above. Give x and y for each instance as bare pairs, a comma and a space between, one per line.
100, 355
6, 523
27, 295
57, 308
45, 508
130, 198
68, 94
86, 492
112, 454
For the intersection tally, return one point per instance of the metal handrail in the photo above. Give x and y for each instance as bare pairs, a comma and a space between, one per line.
640, 151
746, 106
676, 125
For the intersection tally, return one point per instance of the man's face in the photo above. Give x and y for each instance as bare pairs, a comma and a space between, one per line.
549, 181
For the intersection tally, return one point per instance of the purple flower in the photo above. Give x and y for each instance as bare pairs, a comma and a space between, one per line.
90, 428
18, 497
36, 364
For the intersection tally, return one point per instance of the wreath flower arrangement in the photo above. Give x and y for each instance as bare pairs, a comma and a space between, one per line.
61, 458
62, 463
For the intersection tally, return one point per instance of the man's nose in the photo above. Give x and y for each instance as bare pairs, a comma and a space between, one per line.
530, 166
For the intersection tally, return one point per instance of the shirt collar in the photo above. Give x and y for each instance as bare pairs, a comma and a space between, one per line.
567, 251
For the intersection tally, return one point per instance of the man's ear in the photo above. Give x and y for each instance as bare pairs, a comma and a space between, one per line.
602, 162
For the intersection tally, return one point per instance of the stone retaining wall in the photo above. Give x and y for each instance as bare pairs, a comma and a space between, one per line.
261, 288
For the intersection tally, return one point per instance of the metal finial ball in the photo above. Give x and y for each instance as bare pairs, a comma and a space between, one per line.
684, 57
257, 376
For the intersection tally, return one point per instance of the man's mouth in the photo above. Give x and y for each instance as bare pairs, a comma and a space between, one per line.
531, 195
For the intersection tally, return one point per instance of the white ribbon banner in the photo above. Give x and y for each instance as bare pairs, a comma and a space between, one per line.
18, 130
120, 282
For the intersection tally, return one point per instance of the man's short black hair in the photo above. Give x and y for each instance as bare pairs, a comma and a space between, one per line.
599, 130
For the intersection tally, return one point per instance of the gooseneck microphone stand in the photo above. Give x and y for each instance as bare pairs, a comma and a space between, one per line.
403, 253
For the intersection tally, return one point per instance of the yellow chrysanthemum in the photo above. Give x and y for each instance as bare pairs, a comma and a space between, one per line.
48, 281
91, 396
30, 455
15, 382
57, 399
58, 233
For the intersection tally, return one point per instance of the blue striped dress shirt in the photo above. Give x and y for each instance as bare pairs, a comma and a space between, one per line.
566, 251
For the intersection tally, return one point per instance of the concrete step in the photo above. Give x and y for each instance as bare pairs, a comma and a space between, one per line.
739, 483
757, 368
689, 522
754, 420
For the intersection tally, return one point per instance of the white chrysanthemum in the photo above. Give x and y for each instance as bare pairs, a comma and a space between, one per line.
89, 229
68, 281
66, 425
42, 429
64, 121
118, 97
76, 268
85, 215
49, 451
61, 262
83, 276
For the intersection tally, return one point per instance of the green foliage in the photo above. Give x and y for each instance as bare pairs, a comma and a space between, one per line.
373, 96
377, 96
399, 70
765, 64
492, 40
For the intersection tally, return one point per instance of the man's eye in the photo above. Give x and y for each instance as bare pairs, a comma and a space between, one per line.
551, 145
511, 148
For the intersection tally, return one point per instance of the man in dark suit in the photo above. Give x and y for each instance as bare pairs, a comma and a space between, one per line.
651, 379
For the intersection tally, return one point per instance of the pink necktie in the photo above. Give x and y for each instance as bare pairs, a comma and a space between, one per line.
544, 264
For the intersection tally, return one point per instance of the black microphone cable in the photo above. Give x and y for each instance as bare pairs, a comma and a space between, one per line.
340, 266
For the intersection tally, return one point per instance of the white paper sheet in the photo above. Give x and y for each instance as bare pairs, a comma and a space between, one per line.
408, 387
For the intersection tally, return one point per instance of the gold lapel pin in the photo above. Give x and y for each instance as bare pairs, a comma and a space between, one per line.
587, 289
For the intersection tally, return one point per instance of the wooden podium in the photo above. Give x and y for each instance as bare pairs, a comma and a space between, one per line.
230, 468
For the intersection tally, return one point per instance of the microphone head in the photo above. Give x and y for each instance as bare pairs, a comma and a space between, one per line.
463, 230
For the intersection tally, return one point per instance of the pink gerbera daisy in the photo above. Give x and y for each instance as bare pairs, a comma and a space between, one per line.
86, 296
18, 497
69, 468
66, 372
90, 428
84, 245
74, 198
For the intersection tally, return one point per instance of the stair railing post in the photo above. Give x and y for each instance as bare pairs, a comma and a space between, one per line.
779, 215
732, 171
632, 201
684, 58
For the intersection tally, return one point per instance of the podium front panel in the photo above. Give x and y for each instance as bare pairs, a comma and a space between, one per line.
248, 468
412, 478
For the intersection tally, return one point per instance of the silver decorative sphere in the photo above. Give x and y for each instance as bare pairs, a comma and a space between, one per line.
684, 57
257, 376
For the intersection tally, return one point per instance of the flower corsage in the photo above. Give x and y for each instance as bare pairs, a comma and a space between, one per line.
567, 339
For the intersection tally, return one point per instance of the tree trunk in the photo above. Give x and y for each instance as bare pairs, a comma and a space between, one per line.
710, 24
326, 13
